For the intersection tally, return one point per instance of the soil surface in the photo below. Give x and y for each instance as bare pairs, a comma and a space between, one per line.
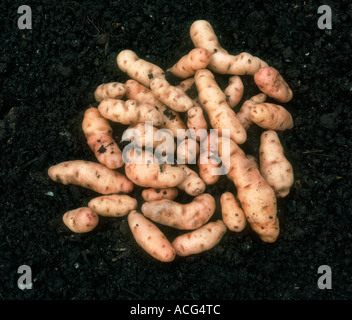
48, 77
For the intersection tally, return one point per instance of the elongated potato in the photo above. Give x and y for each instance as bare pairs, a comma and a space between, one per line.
187, 151
270, 81
153, 194
113, 90
196, 121
170, 119
143, 169
232, 213
209, 162
256, 197
81, 220
98, 133
213, 101
150, 237
200, 240
90, 175
174, 97
187, 66
146, 135
271, 116
129, 112
244, 113
234, 91
114, 205
274, 167
203, 36
138, 69
181, 216
193, 184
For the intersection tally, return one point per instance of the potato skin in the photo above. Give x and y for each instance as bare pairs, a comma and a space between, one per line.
232, 214
129, 112
140, 70
153, 194
114, 90
234, 91
81, 220
152, 174
256, 197
174, 97
150, 237
114, 205
181, 216
271, 116
201, 239
196, 121
187, 66
193, 184
213, 101
203, 36
270, 81
244, 113
90, 175
170, 119
274, 167
98, 133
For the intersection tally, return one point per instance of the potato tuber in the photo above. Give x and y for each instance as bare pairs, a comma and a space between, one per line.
232, 213
187, 66
150, 237
113, 90
200, 240
274, 167
271, 116
138, 69
270, 81
234, 91
114, 205
181, 216
90, 175
81, 220
193, 184
98, 133
203, 36
153, 194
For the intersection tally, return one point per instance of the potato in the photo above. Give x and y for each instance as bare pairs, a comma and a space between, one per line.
271, 116
81, 220
146, 135
244, 113
171, 119
256, 197
232, 213
203, 36
98, 133
181, 216
274, 167
174, 97
114, 205
114, 90
270, 81
153, 194
234, 91
138, 69
143, 169
200, 240
209, 162
187, 151
90, 175
187, 66
213, 101
129, 112
150, 237
193, 184
196, 121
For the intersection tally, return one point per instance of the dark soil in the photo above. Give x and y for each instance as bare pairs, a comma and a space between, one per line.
48, 76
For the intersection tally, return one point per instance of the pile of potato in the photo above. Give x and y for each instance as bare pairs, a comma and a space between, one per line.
147, 101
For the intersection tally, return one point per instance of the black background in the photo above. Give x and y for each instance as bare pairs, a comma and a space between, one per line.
48, 75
